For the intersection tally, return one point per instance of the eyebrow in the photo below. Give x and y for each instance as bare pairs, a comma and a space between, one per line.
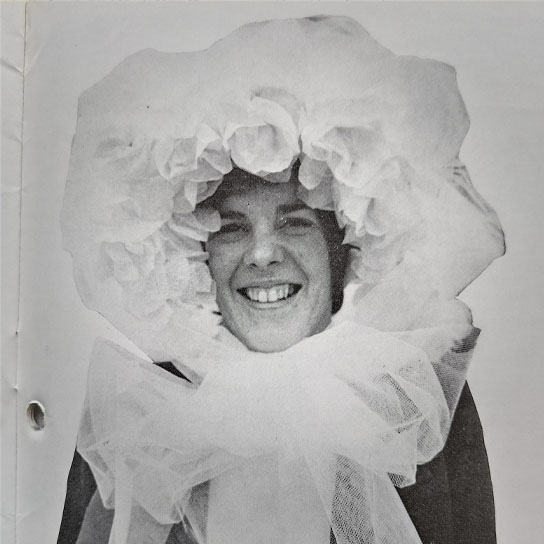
230, 214
293, 207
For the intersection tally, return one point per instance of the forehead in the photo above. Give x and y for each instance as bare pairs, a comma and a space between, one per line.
247, 194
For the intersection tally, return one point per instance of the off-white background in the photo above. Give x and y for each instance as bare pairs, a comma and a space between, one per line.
498, 51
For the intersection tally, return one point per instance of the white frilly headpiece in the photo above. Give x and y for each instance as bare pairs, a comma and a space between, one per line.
277, 447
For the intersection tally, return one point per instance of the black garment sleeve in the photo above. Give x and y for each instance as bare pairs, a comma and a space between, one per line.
452, 499
80, 488
473, 507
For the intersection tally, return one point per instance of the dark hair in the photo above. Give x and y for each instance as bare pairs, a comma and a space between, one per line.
338, 255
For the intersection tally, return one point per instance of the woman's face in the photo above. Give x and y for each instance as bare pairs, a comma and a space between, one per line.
270, 263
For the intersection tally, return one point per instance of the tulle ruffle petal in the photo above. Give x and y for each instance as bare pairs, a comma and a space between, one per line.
262, 138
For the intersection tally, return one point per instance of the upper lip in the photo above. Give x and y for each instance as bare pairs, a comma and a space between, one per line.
267, 284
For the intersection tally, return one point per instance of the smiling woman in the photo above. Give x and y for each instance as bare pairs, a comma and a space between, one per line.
285, 239
270, 263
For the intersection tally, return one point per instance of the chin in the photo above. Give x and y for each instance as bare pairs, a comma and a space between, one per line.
276, 328
269, 345
271, 341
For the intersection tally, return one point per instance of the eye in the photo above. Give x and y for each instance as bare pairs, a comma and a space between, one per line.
296, 225
231, 232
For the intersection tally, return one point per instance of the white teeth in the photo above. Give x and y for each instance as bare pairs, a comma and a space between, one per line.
273, 294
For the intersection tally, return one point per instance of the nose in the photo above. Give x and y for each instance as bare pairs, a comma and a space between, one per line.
264, 251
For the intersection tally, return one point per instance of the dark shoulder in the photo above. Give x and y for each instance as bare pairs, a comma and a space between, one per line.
81, 486
452, 499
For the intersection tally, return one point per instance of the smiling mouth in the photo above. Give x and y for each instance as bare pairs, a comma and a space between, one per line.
275, 293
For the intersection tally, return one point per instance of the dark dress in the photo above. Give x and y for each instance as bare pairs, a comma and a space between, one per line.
450, 503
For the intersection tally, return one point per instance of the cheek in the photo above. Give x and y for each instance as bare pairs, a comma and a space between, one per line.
221, 264
321, 286
314, 258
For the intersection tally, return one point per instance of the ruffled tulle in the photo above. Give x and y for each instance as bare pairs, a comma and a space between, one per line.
321, 433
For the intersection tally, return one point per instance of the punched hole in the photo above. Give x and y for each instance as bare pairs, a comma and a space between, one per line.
36, 415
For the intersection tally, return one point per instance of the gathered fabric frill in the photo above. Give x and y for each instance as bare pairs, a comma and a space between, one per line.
292, 443
315, 437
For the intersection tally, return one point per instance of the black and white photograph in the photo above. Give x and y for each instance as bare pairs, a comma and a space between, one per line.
278, 271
